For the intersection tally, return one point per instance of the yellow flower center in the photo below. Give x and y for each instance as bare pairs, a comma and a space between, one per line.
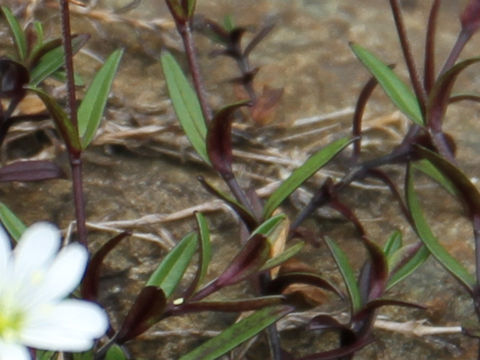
11, 322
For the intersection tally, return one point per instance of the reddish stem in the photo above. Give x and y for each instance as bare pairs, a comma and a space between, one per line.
407, 54
75, 157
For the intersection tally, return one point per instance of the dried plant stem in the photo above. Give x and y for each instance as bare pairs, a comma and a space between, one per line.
416, 328
75, 157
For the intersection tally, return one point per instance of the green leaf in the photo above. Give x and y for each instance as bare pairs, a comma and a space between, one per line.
396, 90
440, 95
205, 245
464, 96
115, 353
87, 355
40, 35
191, 7
431, 242
45, 355
91, 109
50, 62
170, 271
408, 268
431, 170
17, 32
464, 189
347, 273
393, 243
228, 23
11, 222
186, 105
61, 75
269, 225
284, 256
61, 119
304, 172
237, 334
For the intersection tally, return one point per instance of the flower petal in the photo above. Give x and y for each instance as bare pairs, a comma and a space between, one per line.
64, 274
72, 325
11, 351
36, 249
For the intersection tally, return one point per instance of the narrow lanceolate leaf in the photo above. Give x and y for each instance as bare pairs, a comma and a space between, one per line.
405, 261
456, 97
205, 247
304, 172
440, 95
35, 170
244, 214
269, 225
378, 270
219, 140
347, 273
37, 25
186, 105
393, 243
61, 119
52, 60
280, 283
282, 257
91, 109
178, 10
147, 309
191, 7
17, 32
14, 226
40, 50
237, 334
429, 169
457, 181
237, 305
170, 271
247, 262
396, 90
91, 280
469, 17
431, 242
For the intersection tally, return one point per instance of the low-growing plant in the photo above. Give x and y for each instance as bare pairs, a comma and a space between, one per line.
265, 233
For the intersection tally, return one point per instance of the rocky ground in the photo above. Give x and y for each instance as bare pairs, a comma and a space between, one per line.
141, 165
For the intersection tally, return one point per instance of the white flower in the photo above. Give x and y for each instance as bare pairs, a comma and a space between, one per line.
34, 281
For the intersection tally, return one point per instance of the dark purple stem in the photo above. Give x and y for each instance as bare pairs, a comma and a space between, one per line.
185, 30
429, 64
462, 39
476, 234
210, 288
67, 45
358, 115
407, 53
74, 156
238, 192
